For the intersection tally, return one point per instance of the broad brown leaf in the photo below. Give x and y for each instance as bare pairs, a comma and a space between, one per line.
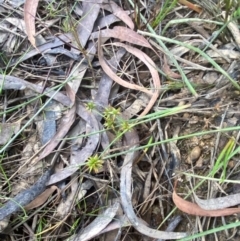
42, 198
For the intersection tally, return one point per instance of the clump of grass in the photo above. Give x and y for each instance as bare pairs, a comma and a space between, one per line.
94, 163
164, 10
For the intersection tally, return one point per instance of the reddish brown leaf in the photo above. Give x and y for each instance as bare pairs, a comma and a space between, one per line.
150, 64
194, 209
30, 10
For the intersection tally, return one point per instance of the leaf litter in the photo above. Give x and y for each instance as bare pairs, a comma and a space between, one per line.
59, 167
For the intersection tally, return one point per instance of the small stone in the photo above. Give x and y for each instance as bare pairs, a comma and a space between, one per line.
194, 155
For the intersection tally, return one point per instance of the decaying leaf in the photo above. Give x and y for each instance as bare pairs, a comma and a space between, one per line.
112, 75
218, 203
30, 10
90, 12
105, 85
94, 228
119, 12
7, 130
126, 193
11, 82
194, 209
124, 34
42, 198
150, 64
78, 154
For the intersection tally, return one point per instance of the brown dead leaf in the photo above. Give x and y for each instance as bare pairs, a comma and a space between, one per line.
90, 12
119, 12
11, 82
194, 209
42, 198
166, 69
194, 7
105, 85
124, 34
112, 75
56, 42
30, 10
150, 64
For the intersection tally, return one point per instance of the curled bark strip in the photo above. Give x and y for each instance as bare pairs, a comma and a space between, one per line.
194, 209
125, 192
25, 197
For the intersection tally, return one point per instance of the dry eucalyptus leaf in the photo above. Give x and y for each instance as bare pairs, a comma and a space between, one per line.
126, 193
94, 228
66, 123
119, 12
42, 198
218, 203
30, 10
124, 34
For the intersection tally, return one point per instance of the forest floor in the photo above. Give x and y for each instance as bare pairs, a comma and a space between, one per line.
119, 120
